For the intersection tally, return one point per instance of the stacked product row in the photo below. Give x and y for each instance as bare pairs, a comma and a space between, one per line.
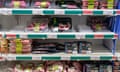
64, 24
61, 66
15, 46
70, 4
25, 46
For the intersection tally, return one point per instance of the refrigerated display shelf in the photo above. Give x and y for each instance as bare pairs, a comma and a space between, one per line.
99, 52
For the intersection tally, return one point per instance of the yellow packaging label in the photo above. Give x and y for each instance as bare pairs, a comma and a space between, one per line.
18, 46
37, 27
43, 4
55, 67
98, 27
16, 4
110, 1
90, 6
91, 2
109, 6
28, 70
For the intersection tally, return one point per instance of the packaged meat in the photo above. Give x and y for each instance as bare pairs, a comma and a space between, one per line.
107, 4
4, 46
68, 4
20, 46
40, 3
61, 24
17, 3
38, 24
55, 67
74, 67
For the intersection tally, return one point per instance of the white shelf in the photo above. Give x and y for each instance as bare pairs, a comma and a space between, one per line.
61, 56
68, 35
29, 11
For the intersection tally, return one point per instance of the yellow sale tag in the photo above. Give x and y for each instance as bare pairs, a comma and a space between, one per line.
18, 46
16, 4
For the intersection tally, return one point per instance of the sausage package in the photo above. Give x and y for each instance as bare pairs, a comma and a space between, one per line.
40, 4
4, 46
17, 3
20, 46
38, 24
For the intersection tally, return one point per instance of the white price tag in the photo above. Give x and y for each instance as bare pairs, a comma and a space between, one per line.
80, 36
36, 58
9, 12
24, 36
65, 58
59, 12
108, 12
11, 58
52, 36
4, 11
37, 12
95, 58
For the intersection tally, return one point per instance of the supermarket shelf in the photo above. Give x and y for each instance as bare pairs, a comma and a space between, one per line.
62, 56
99, 52
69, 35
13, 11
